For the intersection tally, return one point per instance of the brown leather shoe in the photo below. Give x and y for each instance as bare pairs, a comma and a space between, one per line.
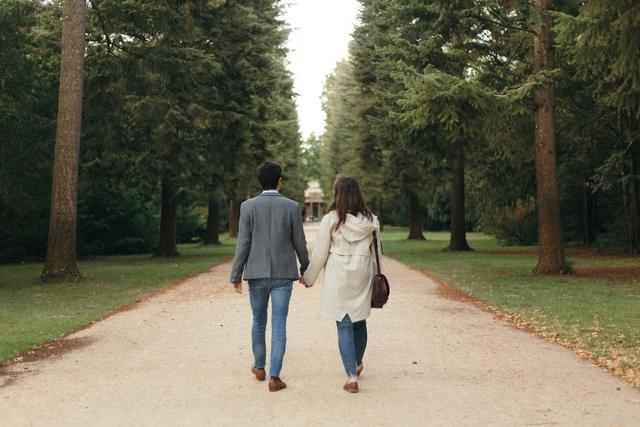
359, 370
276, 384
351, 387
260, 374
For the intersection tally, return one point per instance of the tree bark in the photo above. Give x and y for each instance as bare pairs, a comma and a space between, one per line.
234, 217
167, 247
633, 207
458, 239
61, 247
415, 217
213, 219
551, 242
590, 212
630, 188
636, 187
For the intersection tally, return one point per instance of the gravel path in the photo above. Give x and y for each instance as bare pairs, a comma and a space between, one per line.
182, 358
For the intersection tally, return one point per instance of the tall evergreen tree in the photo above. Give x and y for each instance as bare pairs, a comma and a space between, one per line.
385, 144
550, 235
61, 249
603, 42
311, 158
442, 89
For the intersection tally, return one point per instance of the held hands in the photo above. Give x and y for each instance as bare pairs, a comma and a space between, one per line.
237, 287
303, 282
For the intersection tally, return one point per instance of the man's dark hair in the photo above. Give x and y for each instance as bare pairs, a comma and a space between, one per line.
269, 173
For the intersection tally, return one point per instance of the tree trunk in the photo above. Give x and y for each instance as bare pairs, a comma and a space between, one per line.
631, 190
213, 219
590, 212
626, 203
167, 246
551, 242
636, 187
61, 248
633, 209
458, 240
380, 217
415, 217
234, 217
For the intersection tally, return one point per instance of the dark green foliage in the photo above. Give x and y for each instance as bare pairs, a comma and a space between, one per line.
311, 159
601, 43
424, 76
115, 222
29, 64
197, 92
191, 223
338, 152
193, 93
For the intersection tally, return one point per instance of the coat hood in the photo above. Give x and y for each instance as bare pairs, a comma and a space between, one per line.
357, 228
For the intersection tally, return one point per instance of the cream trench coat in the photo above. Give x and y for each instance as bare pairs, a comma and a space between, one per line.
347, 256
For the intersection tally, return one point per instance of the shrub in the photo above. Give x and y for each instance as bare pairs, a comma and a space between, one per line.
517, 225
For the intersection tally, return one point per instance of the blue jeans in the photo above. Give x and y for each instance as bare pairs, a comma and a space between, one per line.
352, 342
259, 292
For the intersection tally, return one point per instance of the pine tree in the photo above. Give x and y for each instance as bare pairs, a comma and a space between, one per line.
384, 144
603, 42
61, 249
550, 241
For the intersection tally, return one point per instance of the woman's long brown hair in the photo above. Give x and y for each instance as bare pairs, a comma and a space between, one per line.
348, 199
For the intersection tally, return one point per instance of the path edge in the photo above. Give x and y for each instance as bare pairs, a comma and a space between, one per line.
448, 291
56, 347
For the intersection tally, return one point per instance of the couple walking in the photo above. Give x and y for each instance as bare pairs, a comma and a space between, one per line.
271, 235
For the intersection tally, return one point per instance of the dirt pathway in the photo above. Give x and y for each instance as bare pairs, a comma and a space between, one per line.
182, 358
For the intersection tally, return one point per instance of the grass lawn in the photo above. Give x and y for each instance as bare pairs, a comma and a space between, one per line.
32, 312
596, 310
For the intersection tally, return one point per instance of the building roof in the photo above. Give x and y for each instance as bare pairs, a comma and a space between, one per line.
313, 193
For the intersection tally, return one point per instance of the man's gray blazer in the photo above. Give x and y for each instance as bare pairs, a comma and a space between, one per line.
269, 237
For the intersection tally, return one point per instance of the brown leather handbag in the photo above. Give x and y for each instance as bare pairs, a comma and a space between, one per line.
380, 294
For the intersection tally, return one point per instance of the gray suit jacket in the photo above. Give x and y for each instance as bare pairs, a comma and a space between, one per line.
269, 238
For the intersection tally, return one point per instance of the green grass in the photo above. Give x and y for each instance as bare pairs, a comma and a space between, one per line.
596, 310
32, 312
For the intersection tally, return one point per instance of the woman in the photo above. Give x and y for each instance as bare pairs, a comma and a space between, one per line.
344, 249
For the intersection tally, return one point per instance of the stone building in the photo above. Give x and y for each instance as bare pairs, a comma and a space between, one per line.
314, 201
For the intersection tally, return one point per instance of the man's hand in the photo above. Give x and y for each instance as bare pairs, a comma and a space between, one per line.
237, 287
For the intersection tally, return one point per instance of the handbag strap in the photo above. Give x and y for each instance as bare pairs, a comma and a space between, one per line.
375, 247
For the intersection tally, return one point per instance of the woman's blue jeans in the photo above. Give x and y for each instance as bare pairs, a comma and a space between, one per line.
352, 342
259, 292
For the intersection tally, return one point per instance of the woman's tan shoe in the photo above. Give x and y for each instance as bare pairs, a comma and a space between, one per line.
351, 387
359, 369
276, 384
260, 374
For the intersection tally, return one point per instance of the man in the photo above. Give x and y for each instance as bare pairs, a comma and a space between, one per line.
269, 238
